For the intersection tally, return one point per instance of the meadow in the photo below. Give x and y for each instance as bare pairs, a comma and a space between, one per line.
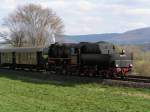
23, 92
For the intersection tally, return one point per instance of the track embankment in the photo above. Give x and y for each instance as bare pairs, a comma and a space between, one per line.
44, 77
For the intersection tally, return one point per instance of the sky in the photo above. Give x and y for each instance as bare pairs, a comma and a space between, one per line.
82, 17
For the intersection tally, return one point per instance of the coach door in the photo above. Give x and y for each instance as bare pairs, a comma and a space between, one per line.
73, 56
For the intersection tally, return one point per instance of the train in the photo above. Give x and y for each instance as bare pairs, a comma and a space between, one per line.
84, 59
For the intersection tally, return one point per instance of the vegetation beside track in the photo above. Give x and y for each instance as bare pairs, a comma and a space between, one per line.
21, 92
141, 62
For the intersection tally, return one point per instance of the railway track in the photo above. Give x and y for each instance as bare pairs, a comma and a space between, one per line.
131, 81
132, 78
143, 79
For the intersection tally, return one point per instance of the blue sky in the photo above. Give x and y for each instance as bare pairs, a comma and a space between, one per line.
91, 16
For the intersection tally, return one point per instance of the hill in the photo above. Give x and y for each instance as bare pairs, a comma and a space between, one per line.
91, 37
137, 36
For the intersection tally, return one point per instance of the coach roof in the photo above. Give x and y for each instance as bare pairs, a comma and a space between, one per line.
23, 49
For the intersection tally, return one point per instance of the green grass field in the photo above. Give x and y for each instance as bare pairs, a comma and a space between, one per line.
19, 93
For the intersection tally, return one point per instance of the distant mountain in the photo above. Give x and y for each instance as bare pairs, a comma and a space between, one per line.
138, 36
91, 37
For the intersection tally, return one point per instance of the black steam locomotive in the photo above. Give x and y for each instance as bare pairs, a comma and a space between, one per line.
90, 59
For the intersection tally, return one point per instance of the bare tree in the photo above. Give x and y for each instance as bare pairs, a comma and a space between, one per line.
32, 25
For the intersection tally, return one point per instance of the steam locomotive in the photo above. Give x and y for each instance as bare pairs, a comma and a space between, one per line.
86, 59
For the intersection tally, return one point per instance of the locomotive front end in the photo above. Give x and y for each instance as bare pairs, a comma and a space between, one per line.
123, 63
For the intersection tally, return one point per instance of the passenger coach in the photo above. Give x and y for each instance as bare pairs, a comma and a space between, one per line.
23, 57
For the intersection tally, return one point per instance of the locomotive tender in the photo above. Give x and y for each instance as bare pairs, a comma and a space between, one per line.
92, 59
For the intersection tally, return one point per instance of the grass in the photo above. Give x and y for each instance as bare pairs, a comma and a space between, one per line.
21, 93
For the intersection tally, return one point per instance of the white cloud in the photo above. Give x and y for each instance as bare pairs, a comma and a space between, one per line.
86, 6
92, 16
139, 11
9, 4
3, 29
136, 24
81, 25
55, 4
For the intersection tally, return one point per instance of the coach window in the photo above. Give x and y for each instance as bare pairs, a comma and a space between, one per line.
7, 57
28, 57
22, 58
25, 58
31, 57
72, 51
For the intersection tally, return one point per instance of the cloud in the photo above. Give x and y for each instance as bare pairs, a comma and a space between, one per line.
3, 29
86, 6
55, 3
135, 24
9, 4
81, 25
92, 16
139, 11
